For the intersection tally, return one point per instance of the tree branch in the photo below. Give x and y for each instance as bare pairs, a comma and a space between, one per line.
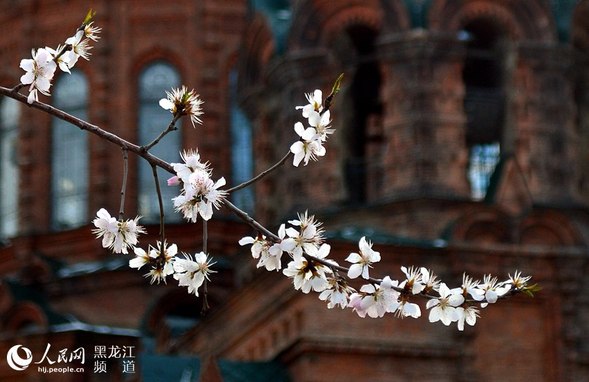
122, 143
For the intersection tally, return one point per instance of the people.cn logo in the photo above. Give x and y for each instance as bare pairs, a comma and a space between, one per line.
15, 361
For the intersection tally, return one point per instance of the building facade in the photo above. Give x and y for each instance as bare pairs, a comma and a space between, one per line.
460, 145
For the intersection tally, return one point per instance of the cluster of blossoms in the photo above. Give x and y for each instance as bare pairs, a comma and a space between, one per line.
117, 235
121, 235
310, 144
303, 241
199, 192
190, 271
41, 68
312, 270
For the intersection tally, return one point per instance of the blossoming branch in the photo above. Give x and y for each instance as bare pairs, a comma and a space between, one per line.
301, 241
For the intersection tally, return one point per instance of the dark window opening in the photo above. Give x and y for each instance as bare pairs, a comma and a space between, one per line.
364, 94
484, 102
182, 318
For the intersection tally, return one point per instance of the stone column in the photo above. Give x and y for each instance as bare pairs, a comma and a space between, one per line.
425, 154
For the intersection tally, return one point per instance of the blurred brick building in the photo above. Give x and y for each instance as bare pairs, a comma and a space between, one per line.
462, 129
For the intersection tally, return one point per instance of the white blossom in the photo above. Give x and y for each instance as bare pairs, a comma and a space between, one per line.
491, 290
268, 253
429, 279
161, 263
117, 235
471, 287
307, 274
63, 59
315, 103
308, 147
199, 196
363, 260
375, 301
141, 258
307, 238
192, 272
413, 283
182, 101
408, 309
518, 281
337, 293
468, 315
39, 73
192, 164
444, 308
91, 32
80, 46
320, 122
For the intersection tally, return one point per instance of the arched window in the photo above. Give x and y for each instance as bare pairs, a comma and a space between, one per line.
484, 102
154, 81
242, 164
69, 154
9, 116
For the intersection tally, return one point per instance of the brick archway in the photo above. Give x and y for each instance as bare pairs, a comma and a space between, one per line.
318, 23
488, 225
22, 315
547, 228
522, 20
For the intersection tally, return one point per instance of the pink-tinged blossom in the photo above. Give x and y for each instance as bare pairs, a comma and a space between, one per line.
173, 181
363, 260
117, 235
310, 275
375, 301
182, 101
192, 272
444, 308
315, 103
39, 73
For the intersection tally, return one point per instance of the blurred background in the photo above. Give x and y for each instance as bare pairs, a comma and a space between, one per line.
461, 142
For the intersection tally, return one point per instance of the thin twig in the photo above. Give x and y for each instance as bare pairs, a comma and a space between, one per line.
171, 127
260, 175
205, 235
249, 220
161, 205
124, 185
17, 88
